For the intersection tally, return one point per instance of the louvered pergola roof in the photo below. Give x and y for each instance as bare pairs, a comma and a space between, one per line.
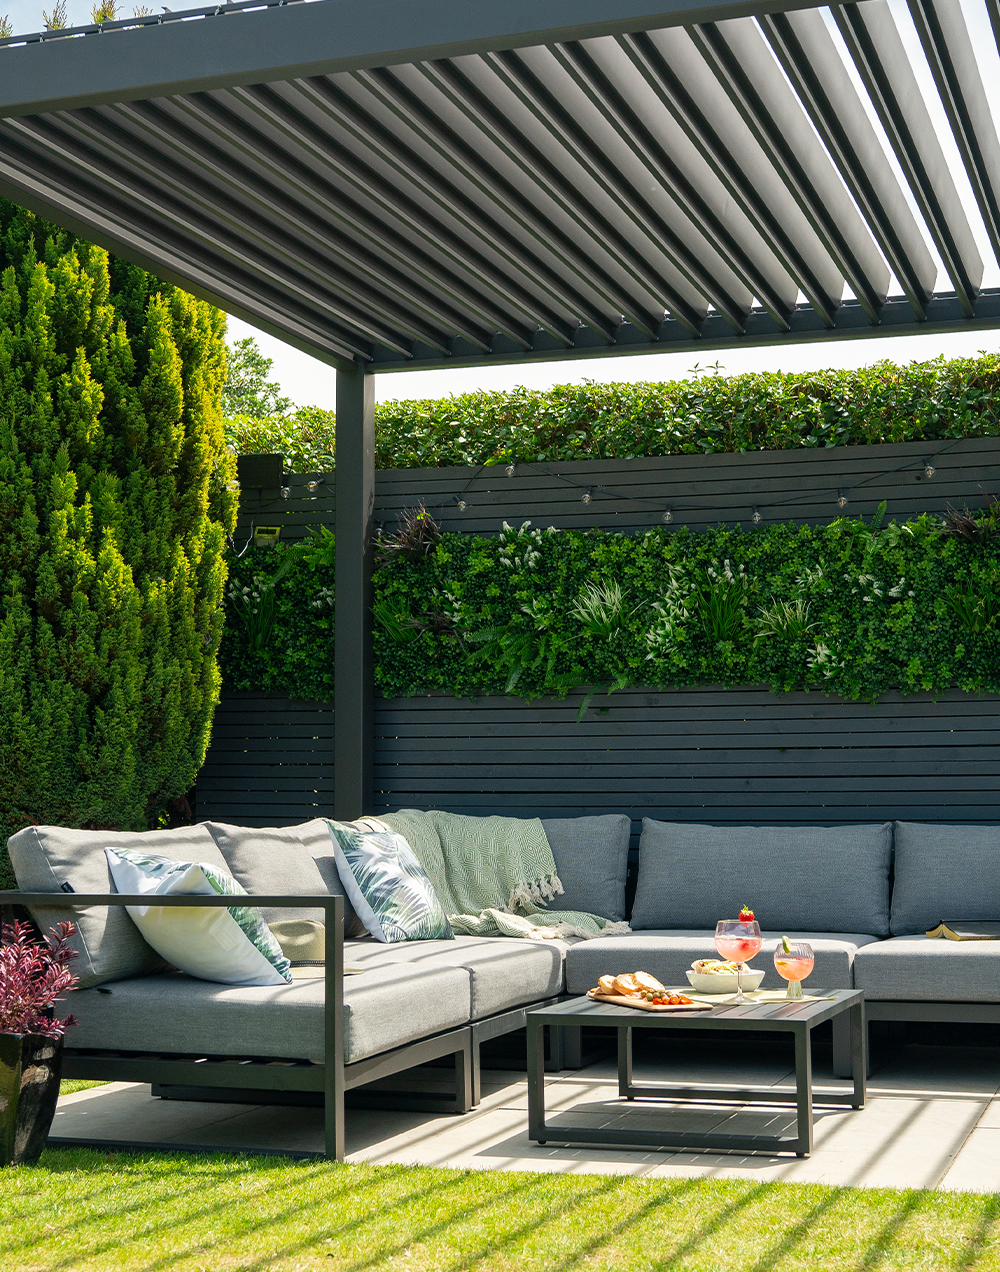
416, 184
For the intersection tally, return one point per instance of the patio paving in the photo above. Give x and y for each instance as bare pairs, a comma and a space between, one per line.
932, 1121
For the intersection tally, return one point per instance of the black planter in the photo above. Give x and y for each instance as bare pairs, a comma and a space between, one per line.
30, 1066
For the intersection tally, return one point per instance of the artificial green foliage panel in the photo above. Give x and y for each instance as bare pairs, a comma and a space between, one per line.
853, 608
279, 619
116, 492
708, 413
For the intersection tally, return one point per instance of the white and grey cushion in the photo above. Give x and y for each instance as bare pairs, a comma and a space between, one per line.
384, 1008
944, 873
233, 946
914, 968
591, 856
807, 878
45, 858
503, 973
271, 859
669, 954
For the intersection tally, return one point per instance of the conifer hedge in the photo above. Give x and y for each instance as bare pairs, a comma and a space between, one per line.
116, 493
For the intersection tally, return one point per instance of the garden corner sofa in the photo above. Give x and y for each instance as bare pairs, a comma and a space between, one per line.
862, 895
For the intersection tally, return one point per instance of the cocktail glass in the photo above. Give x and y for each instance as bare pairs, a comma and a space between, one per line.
794, 961
738, 942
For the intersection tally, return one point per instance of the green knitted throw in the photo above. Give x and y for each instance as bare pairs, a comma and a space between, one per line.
494, 876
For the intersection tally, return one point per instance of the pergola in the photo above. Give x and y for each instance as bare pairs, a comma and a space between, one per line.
414, 184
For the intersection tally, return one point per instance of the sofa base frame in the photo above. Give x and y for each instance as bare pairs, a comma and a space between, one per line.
242, 1080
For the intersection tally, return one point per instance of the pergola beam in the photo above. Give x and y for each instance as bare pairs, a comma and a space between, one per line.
150, 57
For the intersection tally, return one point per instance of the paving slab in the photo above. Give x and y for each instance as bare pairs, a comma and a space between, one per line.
932, 1120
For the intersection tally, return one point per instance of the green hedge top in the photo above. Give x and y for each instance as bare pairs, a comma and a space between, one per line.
708, 413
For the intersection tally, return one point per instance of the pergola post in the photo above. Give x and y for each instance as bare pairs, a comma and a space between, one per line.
354, 685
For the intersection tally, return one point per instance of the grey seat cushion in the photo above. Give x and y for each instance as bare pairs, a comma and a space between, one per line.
110, 945
669, 954
271, 859
503, 973
942, 873
591, 855
810, 878
386, 1007
913, 968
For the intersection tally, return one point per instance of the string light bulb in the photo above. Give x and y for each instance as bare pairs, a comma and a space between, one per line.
286, 492
668, 516
586, 496
461, 503
929, 469
315, 484
841, 499
757, 518
509, 470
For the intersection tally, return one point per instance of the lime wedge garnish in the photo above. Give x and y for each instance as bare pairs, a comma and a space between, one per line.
786, 945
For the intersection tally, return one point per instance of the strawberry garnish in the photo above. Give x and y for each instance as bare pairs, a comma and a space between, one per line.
746, 915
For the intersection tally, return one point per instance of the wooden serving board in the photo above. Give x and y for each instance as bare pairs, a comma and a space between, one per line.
640, 1004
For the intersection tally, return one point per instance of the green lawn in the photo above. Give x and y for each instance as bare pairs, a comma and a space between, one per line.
81, 1209
68, 1085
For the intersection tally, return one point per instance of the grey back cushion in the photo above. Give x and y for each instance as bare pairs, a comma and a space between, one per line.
801, 878
944, 872
109, 944
289, 859
591, 855
271, 859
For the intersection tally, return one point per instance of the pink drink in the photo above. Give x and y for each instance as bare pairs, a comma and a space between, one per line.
792, 968
738, 949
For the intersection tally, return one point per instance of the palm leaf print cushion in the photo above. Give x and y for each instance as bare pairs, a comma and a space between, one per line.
387, 885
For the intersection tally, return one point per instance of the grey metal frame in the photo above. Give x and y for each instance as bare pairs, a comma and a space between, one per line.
249, 1081
798, 1019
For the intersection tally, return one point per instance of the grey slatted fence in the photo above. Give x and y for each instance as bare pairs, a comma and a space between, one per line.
711, 755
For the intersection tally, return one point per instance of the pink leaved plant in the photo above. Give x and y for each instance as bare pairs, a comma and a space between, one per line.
33, 977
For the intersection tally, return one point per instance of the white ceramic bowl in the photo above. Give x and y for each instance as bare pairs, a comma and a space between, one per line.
706, 983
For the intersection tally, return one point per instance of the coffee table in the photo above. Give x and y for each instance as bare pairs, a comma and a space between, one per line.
799, 1018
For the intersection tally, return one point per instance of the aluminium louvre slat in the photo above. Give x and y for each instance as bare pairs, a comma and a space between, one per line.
947, 46
606, 96
627, 213
482, 225
315, 222
117, 177
229, 132
397, 97
742, 63
198, 206
877, 51
43, 183
601, 71
585, 124
485, 118
263, 111
678, 77
461, 274
809, 58
476, 228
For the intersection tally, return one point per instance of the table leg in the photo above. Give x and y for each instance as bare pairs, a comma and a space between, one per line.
625, 1062
859, 1054
536, 1079
803, 1092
